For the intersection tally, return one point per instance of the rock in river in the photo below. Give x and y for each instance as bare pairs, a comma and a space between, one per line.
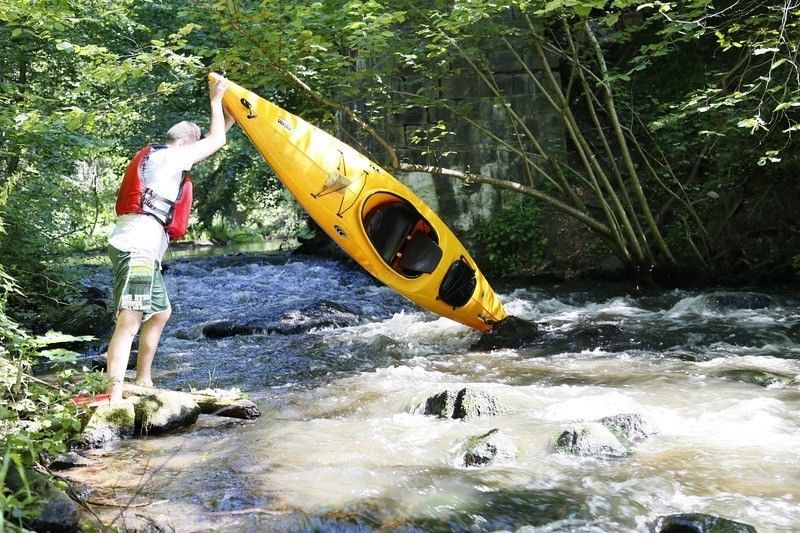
165, 411
484, 450
109, 423
699, 523
631, 426
511, 332
466, 403
762, 378
442, 405
590, 439
69, 460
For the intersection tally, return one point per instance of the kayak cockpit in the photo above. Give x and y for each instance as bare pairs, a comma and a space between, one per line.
401, 236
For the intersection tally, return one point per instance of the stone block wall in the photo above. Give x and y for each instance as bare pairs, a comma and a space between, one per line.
464, 206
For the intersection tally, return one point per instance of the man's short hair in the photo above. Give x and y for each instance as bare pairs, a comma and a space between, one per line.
184, 130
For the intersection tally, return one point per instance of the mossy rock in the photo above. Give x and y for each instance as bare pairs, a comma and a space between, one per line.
629, 426
488, 449
463, 404
165, 411
109, 423
591, 439
472, 403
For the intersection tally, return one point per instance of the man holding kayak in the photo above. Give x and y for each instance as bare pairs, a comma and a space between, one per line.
153, 205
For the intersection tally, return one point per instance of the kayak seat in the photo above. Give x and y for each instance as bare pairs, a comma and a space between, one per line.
421, 254
388, 226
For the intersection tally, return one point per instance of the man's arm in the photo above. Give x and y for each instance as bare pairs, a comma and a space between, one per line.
229, 120
215, 139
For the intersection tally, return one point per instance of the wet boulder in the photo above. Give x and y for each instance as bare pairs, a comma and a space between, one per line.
225, 328
69, 460
227, 403
109, 423
591, 439
463, 404
313, 316
511, 332
488, 449
79, 492
699, 523
165, 411
630, 426
472, 403
317, 315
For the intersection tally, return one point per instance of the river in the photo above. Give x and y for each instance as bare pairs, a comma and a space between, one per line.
341, 366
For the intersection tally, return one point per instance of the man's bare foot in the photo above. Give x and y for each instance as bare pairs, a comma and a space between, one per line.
144, 382
115, 391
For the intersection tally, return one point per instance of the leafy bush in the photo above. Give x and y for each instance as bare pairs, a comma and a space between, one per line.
513, 240
36, 418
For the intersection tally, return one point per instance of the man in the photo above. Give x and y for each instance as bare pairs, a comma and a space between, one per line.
140, 237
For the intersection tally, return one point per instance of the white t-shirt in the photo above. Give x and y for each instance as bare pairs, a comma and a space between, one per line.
142, 234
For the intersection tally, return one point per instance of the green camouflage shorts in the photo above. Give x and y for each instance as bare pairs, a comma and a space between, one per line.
138, 283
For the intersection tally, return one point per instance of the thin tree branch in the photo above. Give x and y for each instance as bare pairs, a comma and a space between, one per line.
630, 167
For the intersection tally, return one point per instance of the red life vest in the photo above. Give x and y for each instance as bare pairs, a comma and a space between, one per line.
135, 198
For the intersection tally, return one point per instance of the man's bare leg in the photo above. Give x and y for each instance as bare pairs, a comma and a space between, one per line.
148, 342
119, 349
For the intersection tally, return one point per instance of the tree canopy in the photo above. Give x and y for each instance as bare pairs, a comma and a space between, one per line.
669, 109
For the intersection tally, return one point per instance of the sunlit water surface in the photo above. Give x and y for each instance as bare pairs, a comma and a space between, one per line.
343, 444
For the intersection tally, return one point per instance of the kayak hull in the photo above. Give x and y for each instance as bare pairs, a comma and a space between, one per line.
371, 215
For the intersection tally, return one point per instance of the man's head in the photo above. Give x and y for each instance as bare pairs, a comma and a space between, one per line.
183, 133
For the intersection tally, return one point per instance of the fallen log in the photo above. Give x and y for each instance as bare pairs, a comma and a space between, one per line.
219, 402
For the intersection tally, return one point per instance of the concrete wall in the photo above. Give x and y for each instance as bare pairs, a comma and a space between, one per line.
464, 206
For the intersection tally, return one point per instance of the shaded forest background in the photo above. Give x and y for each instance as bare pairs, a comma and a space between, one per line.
677, 160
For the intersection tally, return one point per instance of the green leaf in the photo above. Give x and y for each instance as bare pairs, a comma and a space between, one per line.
751, 123
777, 63
761, 51
60, 355
55, 337
74, 122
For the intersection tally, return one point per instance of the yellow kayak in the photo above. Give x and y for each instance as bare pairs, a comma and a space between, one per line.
376, 219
